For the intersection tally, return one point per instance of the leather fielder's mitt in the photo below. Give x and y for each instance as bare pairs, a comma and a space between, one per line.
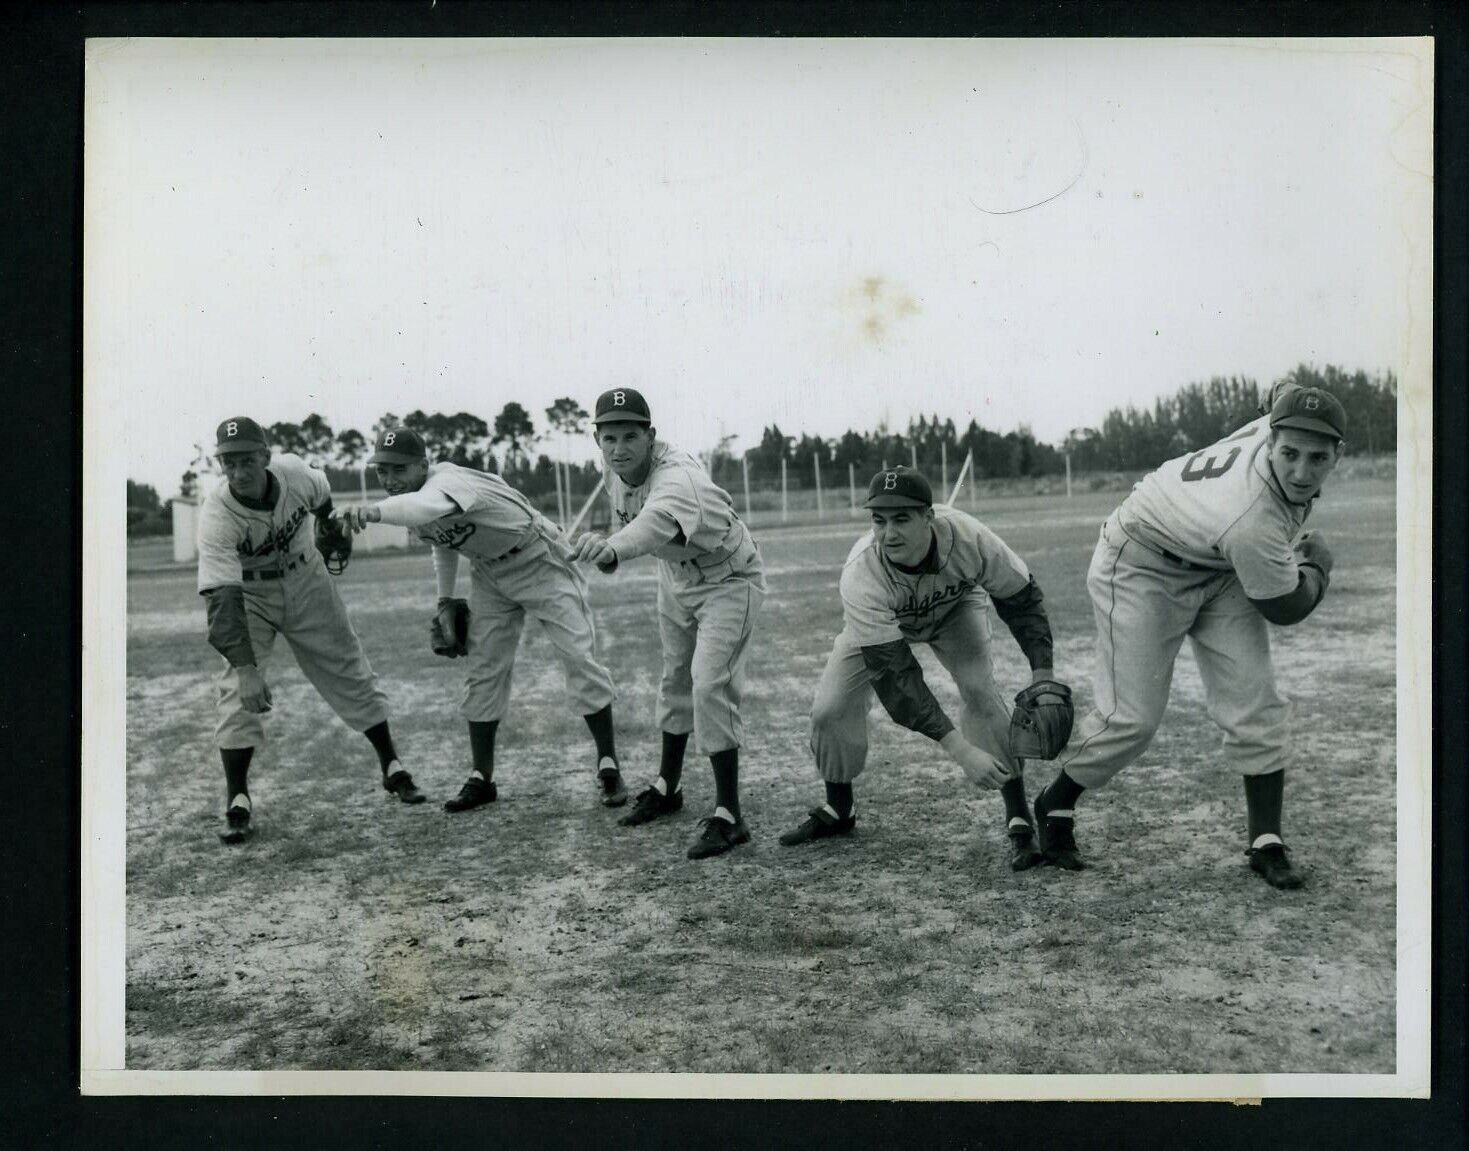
448, 634
334, 542
1040, 725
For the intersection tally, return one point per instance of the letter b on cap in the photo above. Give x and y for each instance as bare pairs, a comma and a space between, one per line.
232, 428
619, 399
889, 481
388, 438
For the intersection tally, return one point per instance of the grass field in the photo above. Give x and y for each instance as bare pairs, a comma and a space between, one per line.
536, 935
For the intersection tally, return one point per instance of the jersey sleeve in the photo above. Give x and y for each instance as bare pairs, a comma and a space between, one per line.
219, 558
870, 616
1003, 573
311, 483
457, 486
651, 528
1258, 547
674, 494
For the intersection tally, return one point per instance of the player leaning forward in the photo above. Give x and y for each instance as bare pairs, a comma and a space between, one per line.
520, 564
1206, 547
924, 575
711, 583
261, 573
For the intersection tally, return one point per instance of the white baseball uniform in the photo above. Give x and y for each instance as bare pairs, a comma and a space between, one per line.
1184, 555
271, 555
942, 605
519, 565
711, 583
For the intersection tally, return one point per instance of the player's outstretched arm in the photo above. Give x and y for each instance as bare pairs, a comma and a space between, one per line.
898, 681
1024, 613
230, 636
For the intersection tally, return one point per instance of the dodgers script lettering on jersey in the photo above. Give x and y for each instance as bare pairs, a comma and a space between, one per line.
493, 517
882, 604
234, 539
1223, 508
678, 486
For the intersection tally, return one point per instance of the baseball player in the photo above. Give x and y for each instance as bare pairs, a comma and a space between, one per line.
1206, 547
519, 565
261, 574
711, 583
924, 575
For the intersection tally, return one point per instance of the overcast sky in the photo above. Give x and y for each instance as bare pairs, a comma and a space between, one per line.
820, 234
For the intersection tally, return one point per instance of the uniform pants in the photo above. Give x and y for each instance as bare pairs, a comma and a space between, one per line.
705, 628
961, 641
304, 607
1145, 605
543, 582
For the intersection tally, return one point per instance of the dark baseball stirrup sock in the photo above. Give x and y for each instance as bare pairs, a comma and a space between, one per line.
839, 798
1264, 797
670, 769
482, 746
727, 780
1013, 793
1063, 792
382, 743
236, 767
600, 724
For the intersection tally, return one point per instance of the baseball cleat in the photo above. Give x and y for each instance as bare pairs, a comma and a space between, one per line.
1273, 865
401, 784
818, 824
237, 825
1024, 854
476, 792
1057, 836
716, 836
652, 804
614, 791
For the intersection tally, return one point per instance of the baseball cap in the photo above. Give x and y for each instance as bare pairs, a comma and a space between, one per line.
1311, 410
398, 446
899, 487
622, 404
239, 434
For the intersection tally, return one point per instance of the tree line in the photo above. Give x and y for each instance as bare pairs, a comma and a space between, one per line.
1128, 439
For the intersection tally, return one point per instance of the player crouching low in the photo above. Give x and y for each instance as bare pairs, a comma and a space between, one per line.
1206, 547
520, 564
924, 575
262, 574
711, 583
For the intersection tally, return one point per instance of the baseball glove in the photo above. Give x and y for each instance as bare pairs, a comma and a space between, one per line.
1040, 725
448, 634
334, 542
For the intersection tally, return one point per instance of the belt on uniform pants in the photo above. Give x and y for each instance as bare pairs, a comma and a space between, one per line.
1171, 557
273, 573
715, 558
516, 550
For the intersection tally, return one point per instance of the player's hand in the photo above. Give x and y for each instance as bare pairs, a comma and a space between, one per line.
590, 548
1310, 547
254, 691
981, 768
607, 559
355, 520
